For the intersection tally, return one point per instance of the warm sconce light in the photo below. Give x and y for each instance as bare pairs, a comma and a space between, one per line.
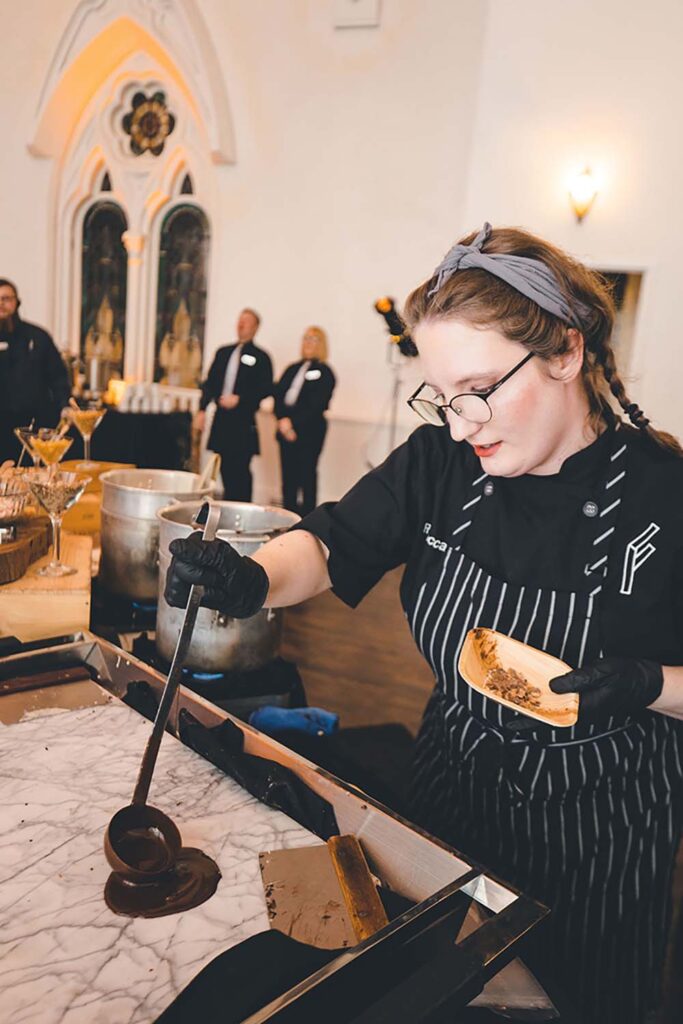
582, 193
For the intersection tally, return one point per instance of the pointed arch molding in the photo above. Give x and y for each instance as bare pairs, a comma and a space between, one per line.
100, 35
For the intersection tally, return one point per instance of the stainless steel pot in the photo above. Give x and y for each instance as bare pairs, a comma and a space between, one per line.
220, 643
131, 498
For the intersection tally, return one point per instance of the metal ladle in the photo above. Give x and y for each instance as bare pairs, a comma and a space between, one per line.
141, 843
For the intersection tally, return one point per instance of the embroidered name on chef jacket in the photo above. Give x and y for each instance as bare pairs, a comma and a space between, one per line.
638, 551
313, 375
434, 542
248, 359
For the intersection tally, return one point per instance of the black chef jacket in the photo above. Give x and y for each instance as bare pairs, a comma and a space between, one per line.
530, 530
586, 821
254, 381
33, 378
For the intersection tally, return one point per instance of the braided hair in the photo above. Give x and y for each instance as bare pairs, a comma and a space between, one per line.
599, 361
483, 300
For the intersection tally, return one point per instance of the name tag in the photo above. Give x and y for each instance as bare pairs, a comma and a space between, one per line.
4, 345
313, 375
247, 359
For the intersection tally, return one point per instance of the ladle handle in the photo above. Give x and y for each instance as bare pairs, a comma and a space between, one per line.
175, 672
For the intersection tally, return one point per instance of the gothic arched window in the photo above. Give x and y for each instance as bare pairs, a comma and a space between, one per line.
181, 296
103, 284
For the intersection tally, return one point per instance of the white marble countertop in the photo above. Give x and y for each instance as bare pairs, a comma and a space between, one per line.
64, 956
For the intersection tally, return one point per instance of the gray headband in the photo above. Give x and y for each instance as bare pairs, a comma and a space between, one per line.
527, 276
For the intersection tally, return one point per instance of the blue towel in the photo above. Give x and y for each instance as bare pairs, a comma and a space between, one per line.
312, 721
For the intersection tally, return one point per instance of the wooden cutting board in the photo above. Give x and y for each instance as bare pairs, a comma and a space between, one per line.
32, 542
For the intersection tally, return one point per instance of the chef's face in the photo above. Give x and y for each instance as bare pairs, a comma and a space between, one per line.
533, 412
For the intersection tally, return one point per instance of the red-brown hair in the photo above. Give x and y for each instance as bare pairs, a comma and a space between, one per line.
483, 300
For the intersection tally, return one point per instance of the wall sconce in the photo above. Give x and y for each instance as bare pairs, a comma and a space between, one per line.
582, 193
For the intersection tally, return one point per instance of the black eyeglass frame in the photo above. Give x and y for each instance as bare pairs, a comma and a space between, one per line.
441, 408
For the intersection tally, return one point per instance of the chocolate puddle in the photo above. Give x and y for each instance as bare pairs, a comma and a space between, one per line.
190, 883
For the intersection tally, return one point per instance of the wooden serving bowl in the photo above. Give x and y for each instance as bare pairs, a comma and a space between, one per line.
485, 651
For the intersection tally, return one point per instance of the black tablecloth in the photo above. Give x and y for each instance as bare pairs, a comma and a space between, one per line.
146, 439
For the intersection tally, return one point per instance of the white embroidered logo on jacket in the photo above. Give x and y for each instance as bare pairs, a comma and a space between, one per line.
638, 551
434, 542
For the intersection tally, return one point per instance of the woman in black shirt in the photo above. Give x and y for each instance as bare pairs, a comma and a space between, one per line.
538, 513
302, 395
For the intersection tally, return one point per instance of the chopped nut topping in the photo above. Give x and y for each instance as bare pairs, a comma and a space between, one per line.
512, 685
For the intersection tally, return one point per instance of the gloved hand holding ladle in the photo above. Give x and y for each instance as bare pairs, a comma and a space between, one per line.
142, 844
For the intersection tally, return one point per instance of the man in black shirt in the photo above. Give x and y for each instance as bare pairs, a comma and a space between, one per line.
34, 383
240, 377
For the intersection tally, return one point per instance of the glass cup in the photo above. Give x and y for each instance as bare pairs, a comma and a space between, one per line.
87, 418
45, 444
56, 492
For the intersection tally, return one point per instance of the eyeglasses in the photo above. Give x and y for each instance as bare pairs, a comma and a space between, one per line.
472, 407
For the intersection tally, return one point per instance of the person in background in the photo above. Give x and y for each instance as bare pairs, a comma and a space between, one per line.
34, 383
240, 377
528, 505
302, 395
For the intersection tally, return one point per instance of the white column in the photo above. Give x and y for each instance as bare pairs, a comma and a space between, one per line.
138, 360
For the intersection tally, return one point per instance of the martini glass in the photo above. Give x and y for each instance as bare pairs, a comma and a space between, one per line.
56, 492
46, 445
86, 418
24, 435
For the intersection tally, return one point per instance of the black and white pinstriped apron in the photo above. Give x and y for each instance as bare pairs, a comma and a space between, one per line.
584, 819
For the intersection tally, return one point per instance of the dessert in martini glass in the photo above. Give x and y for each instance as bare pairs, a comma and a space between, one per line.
86, 417
44, 444
56, 492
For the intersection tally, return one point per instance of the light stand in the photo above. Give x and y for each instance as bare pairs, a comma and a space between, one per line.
395, 361
400, 348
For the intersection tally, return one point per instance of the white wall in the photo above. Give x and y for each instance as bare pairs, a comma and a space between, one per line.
352, 162
25, 182
352, 157
565, 84
361, 154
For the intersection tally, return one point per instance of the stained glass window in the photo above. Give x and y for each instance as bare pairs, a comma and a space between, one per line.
181, 296
149, 123
103, 285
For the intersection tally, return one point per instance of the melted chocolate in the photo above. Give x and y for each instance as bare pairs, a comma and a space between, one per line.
145, 849
192, 881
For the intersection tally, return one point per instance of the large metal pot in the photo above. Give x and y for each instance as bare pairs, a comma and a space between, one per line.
131, 498
220, 643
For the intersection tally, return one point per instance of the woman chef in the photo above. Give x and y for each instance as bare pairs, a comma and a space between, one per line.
537, 513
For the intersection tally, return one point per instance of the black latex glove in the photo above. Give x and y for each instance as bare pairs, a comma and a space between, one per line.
233, 584
611, 686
